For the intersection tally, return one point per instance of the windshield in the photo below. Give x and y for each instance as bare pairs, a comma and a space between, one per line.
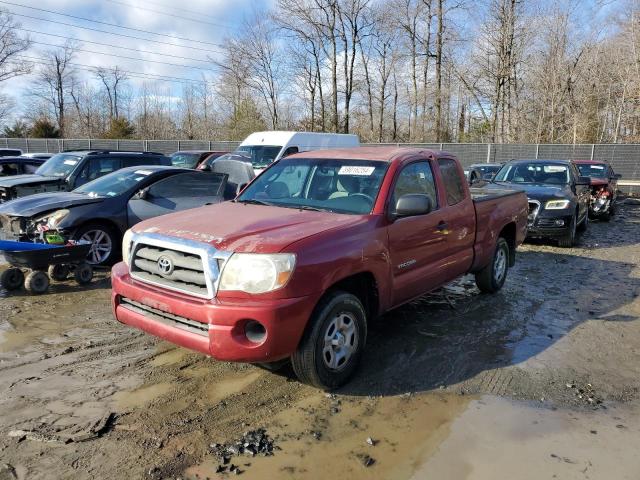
593, 170
261, 156
185, 160
342, 186
60, 165
534, 172
114, 184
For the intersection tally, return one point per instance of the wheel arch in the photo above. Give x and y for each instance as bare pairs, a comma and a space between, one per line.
508, 232
364, 286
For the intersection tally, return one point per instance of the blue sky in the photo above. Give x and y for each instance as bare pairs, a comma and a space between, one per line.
202, 22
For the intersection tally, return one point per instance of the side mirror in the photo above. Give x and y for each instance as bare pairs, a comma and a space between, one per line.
583, 181
141, 194
205, 167
413, 204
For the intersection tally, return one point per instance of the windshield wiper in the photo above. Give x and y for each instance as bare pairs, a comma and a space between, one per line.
253, 201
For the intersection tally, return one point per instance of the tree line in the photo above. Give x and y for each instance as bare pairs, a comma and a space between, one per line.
498, 71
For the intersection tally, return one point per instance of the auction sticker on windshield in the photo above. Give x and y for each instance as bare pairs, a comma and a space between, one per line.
142, 172
352, 170
70, 162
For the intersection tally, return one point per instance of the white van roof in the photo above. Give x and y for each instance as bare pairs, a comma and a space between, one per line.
280, 138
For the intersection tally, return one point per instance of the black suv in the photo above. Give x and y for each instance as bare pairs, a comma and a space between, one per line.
69, 170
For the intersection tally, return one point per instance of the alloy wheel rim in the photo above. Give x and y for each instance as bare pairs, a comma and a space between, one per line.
500, 265
100, 246
340, 341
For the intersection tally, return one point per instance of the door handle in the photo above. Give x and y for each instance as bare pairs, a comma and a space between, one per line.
442, 227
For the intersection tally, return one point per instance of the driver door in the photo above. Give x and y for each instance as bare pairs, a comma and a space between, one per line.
176, 193
417, 245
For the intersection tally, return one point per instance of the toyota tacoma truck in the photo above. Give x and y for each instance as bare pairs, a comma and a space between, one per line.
310, 251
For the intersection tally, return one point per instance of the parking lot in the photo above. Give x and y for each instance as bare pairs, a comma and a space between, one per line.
545, 372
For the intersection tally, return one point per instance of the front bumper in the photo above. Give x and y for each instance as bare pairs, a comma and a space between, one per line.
213, 327
546, 225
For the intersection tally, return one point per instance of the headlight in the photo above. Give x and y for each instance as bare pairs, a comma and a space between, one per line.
256, 272
126, 246
53, 221
557, 204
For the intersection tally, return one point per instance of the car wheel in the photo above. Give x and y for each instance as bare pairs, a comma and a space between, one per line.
570, 238
37, 282
584, 225
492, 277
59, 272
332, 344
104, 243
12, 279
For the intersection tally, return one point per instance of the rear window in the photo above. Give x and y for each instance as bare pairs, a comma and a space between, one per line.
134, 161
452, 180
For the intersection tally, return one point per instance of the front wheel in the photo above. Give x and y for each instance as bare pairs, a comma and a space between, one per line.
12, 279
492, 277
332, 344
104, 243
37, 282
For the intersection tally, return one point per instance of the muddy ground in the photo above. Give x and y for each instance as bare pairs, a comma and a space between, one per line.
538, 381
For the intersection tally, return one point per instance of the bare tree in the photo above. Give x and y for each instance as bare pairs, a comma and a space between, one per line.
12, 46
54, 81
112, 79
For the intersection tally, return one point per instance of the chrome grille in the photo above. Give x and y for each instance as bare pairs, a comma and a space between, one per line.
176, 264
534, 208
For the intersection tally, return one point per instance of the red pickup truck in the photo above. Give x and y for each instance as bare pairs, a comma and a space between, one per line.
315, 247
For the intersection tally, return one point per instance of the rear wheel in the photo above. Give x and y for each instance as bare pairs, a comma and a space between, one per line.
570, 238
104, 243
12, 279
83, 273
332, 345
492, 277
58, 272
37, 282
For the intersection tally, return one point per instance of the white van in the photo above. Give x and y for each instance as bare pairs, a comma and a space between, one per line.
267, 147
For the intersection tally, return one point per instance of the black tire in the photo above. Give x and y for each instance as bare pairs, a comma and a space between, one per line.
310, 360
59, 272
12, 279
83, 273
569, 239
37, 282
582, 227
492, 277
96, 258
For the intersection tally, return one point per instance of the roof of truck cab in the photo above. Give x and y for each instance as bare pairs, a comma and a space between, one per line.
590, 162
385, 154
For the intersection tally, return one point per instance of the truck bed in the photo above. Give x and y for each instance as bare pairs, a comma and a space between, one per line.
491, 192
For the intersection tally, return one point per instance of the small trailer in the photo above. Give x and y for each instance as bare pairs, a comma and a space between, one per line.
43, 262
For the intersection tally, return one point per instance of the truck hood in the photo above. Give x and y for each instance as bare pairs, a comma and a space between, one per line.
239, 227
19, 180
44, 202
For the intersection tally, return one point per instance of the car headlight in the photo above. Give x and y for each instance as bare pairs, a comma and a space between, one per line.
257, 272
54, 220
557, 204
126, 246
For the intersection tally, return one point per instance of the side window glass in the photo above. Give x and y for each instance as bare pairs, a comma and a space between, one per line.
415, 178
189, 185
101, 166
9, 169
290, 151
452, 181
31, 167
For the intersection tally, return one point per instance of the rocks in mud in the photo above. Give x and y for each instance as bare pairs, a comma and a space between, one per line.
366, 460
7, 472
252, 443
585, 394
372, 442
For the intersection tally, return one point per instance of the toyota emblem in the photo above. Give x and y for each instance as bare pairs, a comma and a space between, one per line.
165, 265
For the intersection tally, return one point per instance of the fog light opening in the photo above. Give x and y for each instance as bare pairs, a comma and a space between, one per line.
255, 331
560, 223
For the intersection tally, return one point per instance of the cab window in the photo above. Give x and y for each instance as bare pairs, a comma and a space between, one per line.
452, 181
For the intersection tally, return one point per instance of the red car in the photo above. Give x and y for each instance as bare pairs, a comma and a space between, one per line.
311, 250
604, 187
